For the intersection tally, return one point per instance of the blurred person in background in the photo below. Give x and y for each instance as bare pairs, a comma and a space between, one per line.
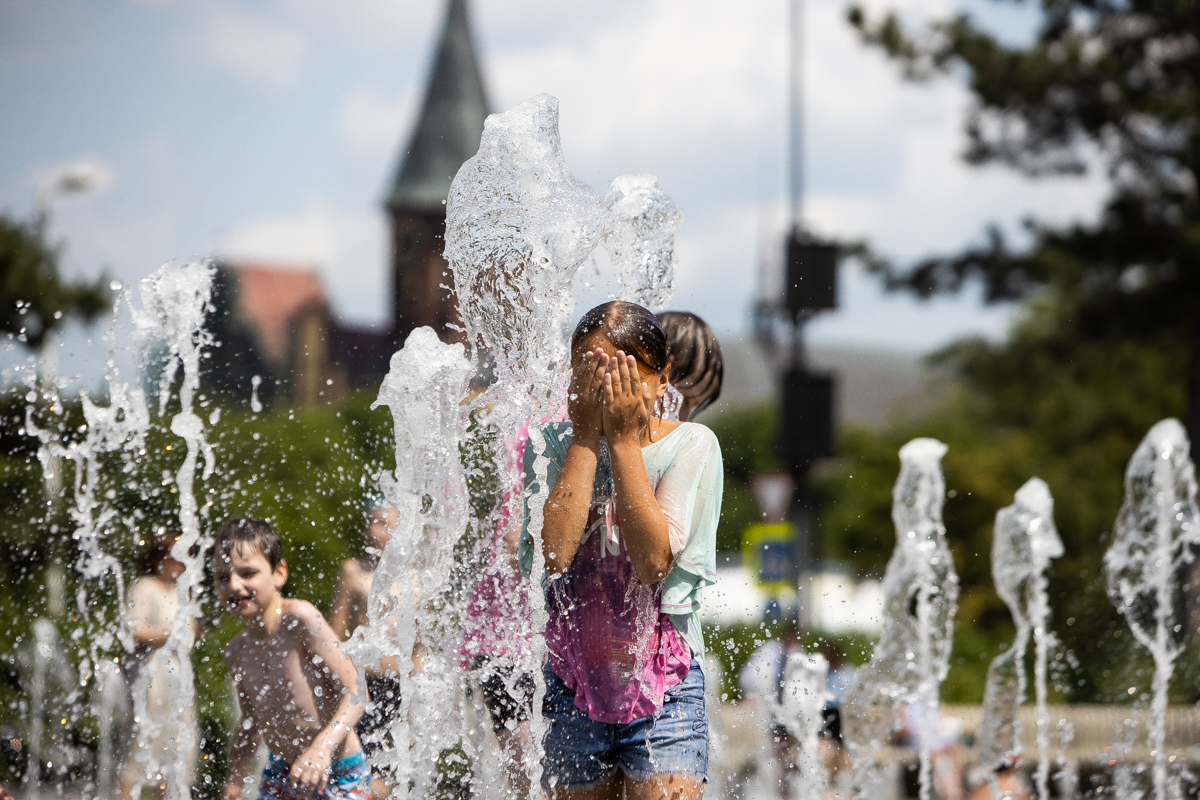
762, 681
834, 757
697, 367
1009, 782
348, 613
946, 750
154, 674
497, 633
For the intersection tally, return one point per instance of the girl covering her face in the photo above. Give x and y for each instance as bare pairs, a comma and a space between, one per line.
629, 542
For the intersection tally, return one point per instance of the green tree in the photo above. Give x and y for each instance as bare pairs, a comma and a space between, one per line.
34, 299
747, 437
1105, 84
1108, 340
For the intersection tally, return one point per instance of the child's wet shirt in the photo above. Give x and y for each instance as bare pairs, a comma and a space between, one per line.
617, 643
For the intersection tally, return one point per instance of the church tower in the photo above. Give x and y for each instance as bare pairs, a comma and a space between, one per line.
446, 135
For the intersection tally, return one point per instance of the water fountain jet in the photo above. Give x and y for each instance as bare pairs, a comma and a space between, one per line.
1024, 543
920, 590
1153, 538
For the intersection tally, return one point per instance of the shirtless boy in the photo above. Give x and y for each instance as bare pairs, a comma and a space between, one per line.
354, 583
296, 690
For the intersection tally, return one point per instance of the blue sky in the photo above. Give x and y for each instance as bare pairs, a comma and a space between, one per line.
271, 129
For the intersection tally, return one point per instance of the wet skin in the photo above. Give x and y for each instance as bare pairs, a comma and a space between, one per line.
349, 609
296, 690
612, 396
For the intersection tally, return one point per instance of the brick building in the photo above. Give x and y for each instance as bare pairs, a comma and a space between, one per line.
275, 321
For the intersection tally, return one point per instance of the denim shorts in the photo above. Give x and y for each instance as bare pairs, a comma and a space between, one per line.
581, 751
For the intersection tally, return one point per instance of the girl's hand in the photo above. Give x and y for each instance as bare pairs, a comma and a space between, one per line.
584, 403
627, 401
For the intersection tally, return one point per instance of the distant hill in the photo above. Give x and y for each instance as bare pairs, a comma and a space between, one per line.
874, 386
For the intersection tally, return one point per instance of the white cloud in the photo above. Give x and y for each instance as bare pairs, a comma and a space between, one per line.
257, 48
369, 22
89, 175
647, 77
695, 91
346, 248
690, 90
375, 125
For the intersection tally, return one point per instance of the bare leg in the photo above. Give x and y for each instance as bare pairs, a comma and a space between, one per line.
379, 788
669, 786
607, 789
516, 745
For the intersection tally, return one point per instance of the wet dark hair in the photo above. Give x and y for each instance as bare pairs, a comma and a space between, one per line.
630, 328
238, 531
831, 722
158, 549
697, 367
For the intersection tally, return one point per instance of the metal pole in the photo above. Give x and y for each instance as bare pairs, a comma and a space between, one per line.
796, 113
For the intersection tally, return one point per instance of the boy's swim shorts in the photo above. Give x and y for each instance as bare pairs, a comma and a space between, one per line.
349, 779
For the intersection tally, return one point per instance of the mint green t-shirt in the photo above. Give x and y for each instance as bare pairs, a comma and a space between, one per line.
687, 477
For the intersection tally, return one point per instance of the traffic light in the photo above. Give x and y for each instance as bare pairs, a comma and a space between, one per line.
811, 274
806, 418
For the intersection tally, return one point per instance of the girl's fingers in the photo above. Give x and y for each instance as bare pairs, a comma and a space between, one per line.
608, 389
623, 372
598, 370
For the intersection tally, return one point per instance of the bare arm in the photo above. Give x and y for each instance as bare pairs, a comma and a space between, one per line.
566, 509
627, 405
310, 770
343, 599
245, 737
152, 636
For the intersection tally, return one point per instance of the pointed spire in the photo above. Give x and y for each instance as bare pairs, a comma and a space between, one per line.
451, 122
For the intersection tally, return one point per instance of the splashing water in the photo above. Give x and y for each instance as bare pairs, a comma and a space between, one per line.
1024, 543
255, 404
518, 228
168, 329
110, 707
640, 239
920, 590
802, 704
1152, 539
424, 390
118, 428
52, 692
175, 303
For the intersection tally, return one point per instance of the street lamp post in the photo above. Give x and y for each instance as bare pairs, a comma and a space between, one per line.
74, 179
810, 287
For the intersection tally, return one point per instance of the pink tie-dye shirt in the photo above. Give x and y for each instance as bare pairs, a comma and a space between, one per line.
617, 643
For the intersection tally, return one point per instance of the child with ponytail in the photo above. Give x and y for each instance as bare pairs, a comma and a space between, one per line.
629, 542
